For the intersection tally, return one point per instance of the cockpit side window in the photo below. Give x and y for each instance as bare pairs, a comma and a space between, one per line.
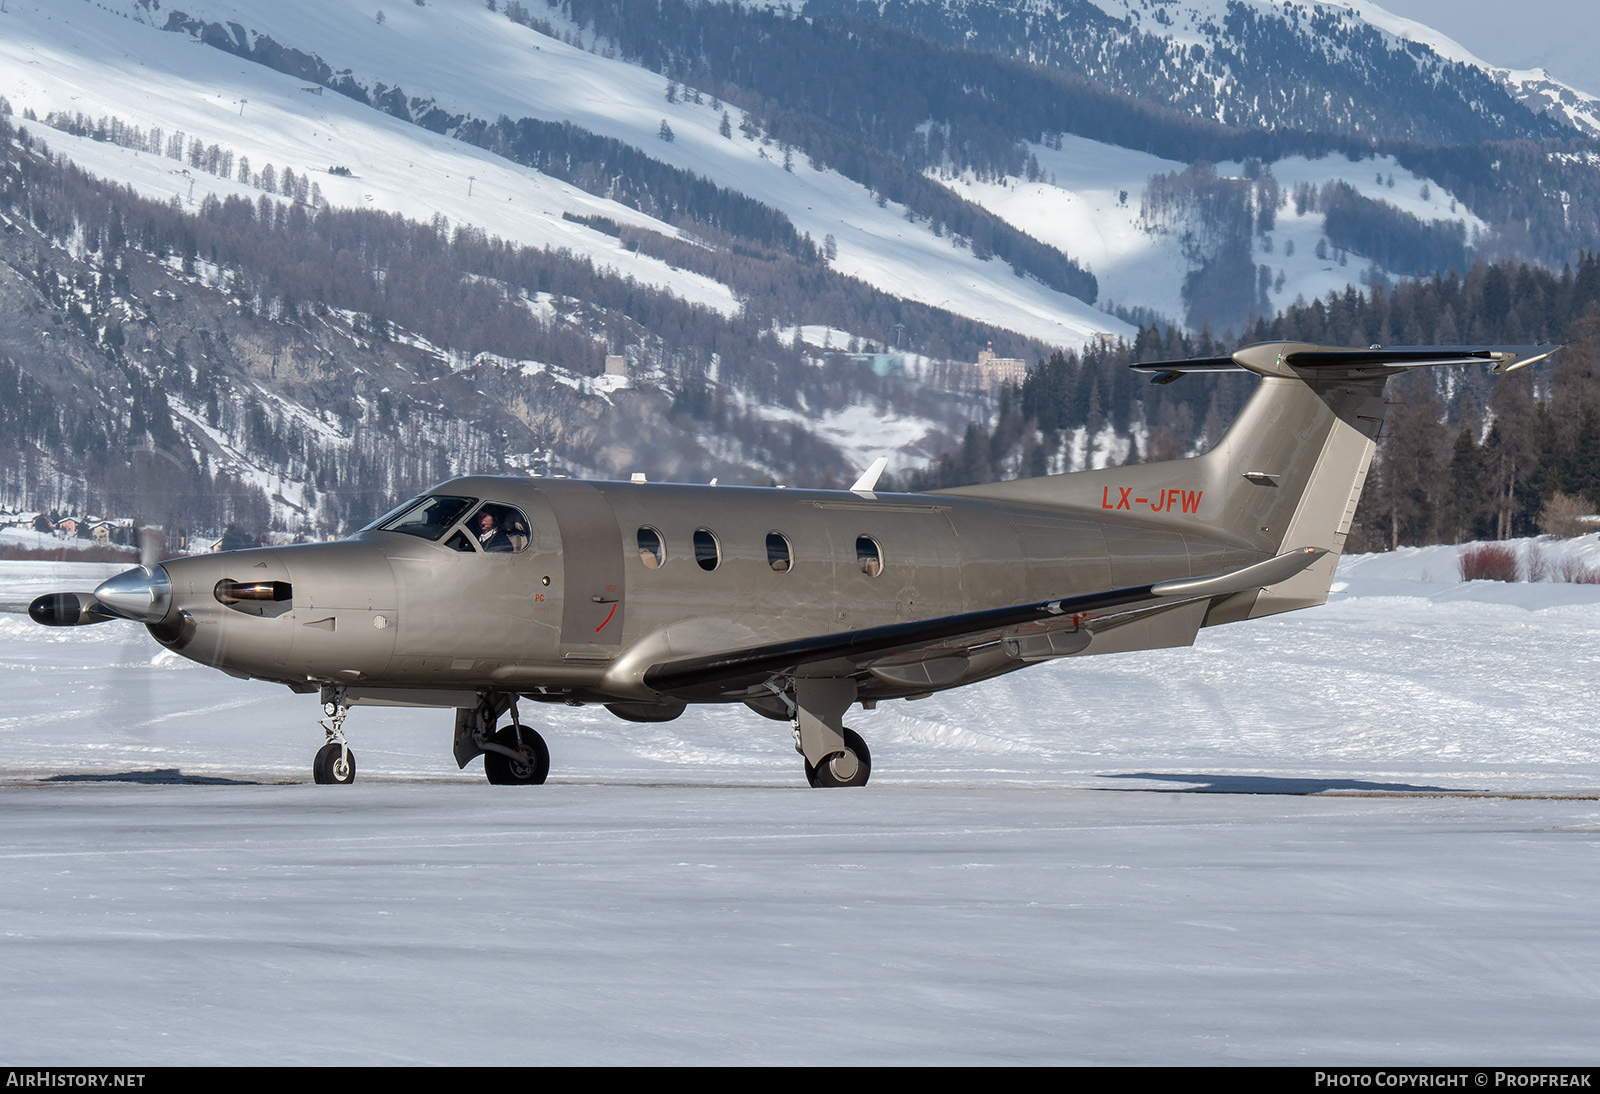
499, 529
427, 518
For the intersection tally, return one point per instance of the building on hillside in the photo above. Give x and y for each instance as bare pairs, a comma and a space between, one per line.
1000, 372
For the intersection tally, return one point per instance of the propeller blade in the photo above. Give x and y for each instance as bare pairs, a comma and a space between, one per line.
152, 546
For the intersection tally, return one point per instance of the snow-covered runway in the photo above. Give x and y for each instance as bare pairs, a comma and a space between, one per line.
1041, 871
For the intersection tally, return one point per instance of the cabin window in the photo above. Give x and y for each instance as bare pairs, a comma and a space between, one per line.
869, 556
779, 555
428, 518
652, 551
499, 529
707, 552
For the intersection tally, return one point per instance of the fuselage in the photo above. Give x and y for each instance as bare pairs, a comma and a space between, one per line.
606, 579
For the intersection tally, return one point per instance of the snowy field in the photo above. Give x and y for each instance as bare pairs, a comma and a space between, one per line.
1366, 833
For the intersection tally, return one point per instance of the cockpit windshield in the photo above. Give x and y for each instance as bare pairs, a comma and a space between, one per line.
427, 518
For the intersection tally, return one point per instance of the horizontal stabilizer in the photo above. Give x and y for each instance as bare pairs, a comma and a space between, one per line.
1169, 371
1258, 576
1308, 361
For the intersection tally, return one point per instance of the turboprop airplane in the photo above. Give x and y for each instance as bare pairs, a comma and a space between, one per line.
486, 592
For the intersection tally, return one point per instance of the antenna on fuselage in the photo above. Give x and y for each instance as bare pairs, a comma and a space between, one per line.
869, 477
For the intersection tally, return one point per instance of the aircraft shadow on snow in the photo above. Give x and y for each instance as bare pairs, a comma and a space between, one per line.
163, 776
1268, 784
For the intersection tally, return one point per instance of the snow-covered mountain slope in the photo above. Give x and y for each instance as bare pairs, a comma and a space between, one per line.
1338, 66
457, 57
112, 60
1204, 22
80, 58
1089, 200
1535, 87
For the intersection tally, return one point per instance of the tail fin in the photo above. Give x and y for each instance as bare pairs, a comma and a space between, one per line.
1287, 474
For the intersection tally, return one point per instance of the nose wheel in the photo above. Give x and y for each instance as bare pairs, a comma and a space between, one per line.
335, 763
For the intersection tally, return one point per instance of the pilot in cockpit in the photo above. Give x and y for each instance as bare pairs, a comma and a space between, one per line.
491, 537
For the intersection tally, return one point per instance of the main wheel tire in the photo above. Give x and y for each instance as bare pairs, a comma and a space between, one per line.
334, 764
852, 767
502, 770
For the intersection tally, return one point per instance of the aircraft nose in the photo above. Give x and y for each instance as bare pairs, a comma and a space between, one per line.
142, 594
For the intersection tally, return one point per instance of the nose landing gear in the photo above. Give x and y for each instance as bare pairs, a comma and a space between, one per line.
335, 763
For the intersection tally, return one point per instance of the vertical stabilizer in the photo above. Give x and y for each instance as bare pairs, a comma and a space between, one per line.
1287, 474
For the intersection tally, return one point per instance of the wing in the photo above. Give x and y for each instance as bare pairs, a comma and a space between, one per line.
852, 651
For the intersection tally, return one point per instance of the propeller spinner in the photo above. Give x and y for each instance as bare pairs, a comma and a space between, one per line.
142, 594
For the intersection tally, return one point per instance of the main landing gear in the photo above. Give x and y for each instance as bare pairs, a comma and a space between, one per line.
835, 755
335, 763
851, 767
514, 755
